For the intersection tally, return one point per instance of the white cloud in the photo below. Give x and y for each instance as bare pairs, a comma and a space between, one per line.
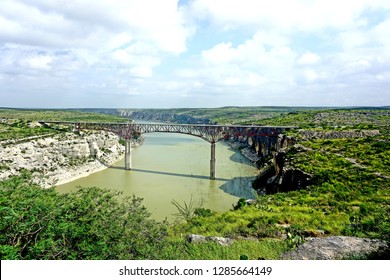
308, 58
263, 58
154, 51
103, 36
291, 16
141, 71
92, 24
39, 62
381, 33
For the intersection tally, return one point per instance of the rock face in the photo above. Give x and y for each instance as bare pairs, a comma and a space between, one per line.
338, 247
60, 158
263, 148
280, 177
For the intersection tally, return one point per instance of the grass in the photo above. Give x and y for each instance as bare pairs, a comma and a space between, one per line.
59, 115
252, 249
21, 129
19, 124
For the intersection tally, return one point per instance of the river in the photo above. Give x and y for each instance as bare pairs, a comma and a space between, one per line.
176, 167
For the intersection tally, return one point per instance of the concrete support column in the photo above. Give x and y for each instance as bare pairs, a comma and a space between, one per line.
128, 155
212, 162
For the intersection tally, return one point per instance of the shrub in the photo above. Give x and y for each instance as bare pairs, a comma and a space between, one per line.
90, 223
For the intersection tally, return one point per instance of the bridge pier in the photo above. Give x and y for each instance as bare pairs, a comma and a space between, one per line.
128, 155
212, 162
76, 127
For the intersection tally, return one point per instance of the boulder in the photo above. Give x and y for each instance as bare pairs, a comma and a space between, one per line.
194, 238
338, 247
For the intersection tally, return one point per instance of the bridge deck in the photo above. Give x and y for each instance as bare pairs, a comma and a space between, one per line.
170, 124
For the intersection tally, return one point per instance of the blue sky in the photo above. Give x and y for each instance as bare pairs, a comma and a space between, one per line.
194, 53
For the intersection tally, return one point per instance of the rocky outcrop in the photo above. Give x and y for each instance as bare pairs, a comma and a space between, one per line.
278, 176
60, 158
259, 151
339, 247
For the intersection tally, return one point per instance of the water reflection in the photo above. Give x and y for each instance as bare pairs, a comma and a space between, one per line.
240, 187
176, 174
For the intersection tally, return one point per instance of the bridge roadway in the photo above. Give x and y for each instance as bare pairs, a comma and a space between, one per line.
210, 133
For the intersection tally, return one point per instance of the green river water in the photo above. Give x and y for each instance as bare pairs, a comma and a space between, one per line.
176, 167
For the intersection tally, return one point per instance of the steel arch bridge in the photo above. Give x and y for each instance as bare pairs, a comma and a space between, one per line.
209, 133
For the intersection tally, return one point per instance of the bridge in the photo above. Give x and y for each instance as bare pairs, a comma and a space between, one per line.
263, 139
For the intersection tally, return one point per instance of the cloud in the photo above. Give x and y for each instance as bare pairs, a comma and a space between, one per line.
287, 16
95, 29
197, 53
87, 43
91, 24
308, 58
263, 58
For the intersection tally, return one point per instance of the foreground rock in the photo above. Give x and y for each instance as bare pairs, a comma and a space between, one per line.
194, 238
338, 247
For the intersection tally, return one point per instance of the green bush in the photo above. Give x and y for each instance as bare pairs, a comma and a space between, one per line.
90, 223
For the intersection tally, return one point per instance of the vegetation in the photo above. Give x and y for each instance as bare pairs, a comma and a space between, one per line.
21, 129
91, 223
20, 124
58, 115
95, 223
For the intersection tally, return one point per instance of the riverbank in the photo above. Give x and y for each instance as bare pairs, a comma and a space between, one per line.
246, 152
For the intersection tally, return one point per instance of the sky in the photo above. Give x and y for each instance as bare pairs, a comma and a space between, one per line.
194, 53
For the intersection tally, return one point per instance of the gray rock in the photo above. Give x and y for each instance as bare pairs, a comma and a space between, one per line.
195, 238
336, 247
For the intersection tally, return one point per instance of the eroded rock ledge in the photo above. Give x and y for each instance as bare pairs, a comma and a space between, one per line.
278, 176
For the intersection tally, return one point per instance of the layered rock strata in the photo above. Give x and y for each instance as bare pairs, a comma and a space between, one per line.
61, 158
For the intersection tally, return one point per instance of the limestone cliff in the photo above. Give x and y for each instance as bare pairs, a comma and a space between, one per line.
60, 158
